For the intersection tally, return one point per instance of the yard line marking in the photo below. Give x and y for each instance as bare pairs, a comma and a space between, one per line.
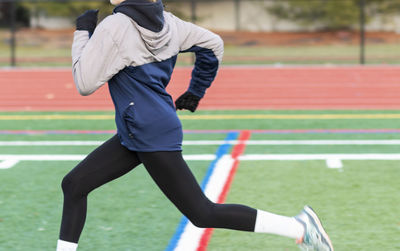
341, 156
201, 157
298, 142
56, 117
7, 159
8, 163
298, 131
207, 157
42, 157
212, 117
74, 157
187, 236
55, 132
326, 131
213, 142
50, 143
289, 116
334, 163
10, 160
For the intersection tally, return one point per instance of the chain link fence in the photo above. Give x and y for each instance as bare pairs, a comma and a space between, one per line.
268, 32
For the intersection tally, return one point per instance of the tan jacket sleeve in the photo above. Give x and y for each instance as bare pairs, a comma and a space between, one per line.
193, 35
95, 60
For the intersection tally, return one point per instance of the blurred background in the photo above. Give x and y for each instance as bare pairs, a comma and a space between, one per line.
273, 32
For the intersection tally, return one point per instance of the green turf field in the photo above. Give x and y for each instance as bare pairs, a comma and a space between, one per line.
359, 203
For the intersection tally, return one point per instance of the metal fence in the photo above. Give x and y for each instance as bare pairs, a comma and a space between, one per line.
278, 32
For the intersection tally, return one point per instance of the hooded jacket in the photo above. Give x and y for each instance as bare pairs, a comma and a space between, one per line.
135, 51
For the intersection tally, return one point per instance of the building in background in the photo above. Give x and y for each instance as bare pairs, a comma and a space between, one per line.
251, 15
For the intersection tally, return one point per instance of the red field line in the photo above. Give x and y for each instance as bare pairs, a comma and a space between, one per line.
370, 87
236, 152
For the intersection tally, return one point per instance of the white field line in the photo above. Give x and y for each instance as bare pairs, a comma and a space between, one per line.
334, 163
6, 164
338, 156
295, 142
42, 157
200, 157
51, 143
10, 160
191, 235
333, 160
213, 142
74, 157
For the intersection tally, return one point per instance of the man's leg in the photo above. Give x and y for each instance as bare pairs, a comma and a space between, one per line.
108, 162
172, 175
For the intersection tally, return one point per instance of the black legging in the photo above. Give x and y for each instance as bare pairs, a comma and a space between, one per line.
168, 169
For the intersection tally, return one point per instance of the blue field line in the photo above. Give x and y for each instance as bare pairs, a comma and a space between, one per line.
221, 151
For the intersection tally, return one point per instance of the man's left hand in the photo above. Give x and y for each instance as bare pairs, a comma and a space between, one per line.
187, 101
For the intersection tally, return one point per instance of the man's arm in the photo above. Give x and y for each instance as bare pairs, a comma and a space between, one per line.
95, 59
208, 48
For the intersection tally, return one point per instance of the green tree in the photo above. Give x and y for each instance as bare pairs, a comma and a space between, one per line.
331, 14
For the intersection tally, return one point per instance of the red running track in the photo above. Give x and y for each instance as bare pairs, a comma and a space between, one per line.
370, 87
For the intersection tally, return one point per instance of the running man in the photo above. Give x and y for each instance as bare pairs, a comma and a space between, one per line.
135, 50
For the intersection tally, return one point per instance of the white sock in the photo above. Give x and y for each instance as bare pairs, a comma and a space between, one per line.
66, 246
276, 224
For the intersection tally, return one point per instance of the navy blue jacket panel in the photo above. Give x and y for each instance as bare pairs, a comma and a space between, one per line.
145, 113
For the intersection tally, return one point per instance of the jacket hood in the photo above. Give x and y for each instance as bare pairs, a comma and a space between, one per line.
149, 19
149, 15
155, 41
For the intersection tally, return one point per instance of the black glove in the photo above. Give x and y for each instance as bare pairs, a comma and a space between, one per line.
87, 21
187, 101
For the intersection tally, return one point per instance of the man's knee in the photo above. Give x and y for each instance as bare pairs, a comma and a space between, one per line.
72, 187
204, 218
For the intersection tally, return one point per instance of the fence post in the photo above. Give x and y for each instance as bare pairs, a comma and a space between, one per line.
237, 15
362, 32
193, 11
13, 30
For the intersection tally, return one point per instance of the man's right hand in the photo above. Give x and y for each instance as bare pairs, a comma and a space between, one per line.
87, 21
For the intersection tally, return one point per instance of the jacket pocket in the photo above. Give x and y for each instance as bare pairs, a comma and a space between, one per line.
130, 119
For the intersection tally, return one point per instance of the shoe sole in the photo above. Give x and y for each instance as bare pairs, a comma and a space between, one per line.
314, 216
